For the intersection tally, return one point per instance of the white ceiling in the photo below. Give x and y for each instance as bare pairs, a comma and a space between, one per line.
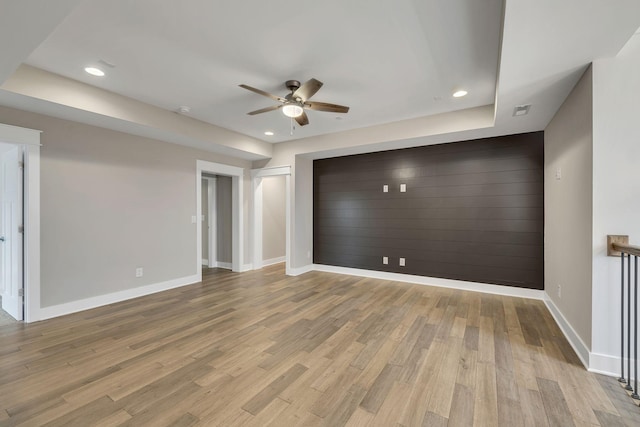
387, 60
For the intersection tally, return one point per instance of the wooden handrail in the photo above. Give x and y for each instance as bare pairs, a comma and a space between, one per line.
627, 249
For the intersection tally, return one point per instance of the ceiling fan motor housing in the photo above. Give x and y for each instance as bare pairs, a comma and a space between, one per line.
292, 85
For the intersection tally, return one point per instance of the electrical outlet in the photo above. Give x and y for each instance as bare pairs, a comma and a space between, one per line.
139, 272
385, 260
401, 262
403, 188
385, 188
193, 219
559, 291
559, 173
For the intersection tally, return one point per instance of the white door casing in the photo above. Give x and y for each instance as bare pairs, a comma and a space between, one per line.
237, 215
11, 243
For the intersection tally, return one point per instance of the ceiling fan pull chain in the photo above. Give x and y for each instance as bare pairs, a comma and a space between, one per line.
292, 127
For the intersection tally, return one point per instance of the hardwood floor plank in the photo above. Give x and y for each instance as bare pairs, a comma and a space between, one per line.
377, 393
555, 403
269, 393
360, 418
485, 411
186, 420
532, 408
461, 414
341, 413
86, 415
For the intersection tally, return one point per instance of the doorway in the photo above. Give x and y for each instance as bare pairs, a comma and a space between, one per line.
258, 176
20, 222
217, 221
236, 175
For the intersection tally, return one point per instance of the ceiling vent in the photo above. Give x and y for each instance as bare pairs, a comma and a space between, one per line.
521, 110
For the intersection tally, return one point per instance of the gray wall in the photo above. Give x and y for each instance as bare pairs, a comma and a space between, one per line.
568, 207
111, 202
223, 218
273, 217
205, 221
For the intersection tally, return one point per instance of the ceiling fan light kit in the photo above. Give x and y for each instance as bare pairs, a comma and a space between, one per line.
294, 103
292, 110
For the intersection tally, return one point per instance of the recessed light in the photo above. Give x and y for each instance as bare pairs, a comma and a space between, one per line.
269, 133
459, 93
94, 71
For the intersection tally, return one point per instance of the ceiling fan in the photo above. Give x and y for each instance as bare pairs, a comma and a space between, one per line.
294, 103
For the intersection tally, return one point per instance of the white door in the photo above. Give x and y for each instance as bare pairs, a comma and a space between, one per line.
11, 233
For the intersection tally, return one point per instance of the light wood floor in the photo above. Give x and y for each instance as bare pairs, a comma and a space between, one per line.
263, 349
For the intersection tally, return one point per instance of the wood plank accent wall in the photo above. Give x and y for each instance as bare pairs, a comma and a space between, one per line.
472, 210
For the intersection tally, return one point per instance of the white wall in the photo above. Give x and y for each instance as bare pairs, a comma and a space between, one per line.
111, 202
616, 188
273, 217
568, 209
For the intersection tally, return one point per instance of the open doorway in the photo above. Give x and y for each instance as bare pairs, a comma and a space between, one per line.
274, 191
217, 221
235, 175
274, 232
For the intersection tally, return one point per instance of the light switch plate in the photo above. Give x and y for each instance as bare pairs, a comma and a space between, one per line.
385, 188
193, 219
385, 260
401, 262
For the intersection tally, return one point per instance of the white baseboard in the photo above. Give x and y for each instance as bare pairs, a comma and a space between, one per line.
604, 364
225, 265
246, 267
434, 281
205, 262
273, 261
300, 270
570, 334
98, 301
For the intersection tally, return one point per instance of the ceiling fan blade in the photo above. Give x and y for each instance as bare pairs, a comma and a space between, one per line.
307, 90
263, 93
302, 119
264, 110
324, 106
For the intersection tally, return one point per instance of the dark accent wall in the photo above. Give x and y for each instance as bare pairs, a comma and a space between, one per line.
472, 210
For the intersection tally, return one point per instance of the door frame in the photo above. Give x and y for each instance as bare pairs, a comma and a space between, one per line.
29, 139
256, 218
237, 223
